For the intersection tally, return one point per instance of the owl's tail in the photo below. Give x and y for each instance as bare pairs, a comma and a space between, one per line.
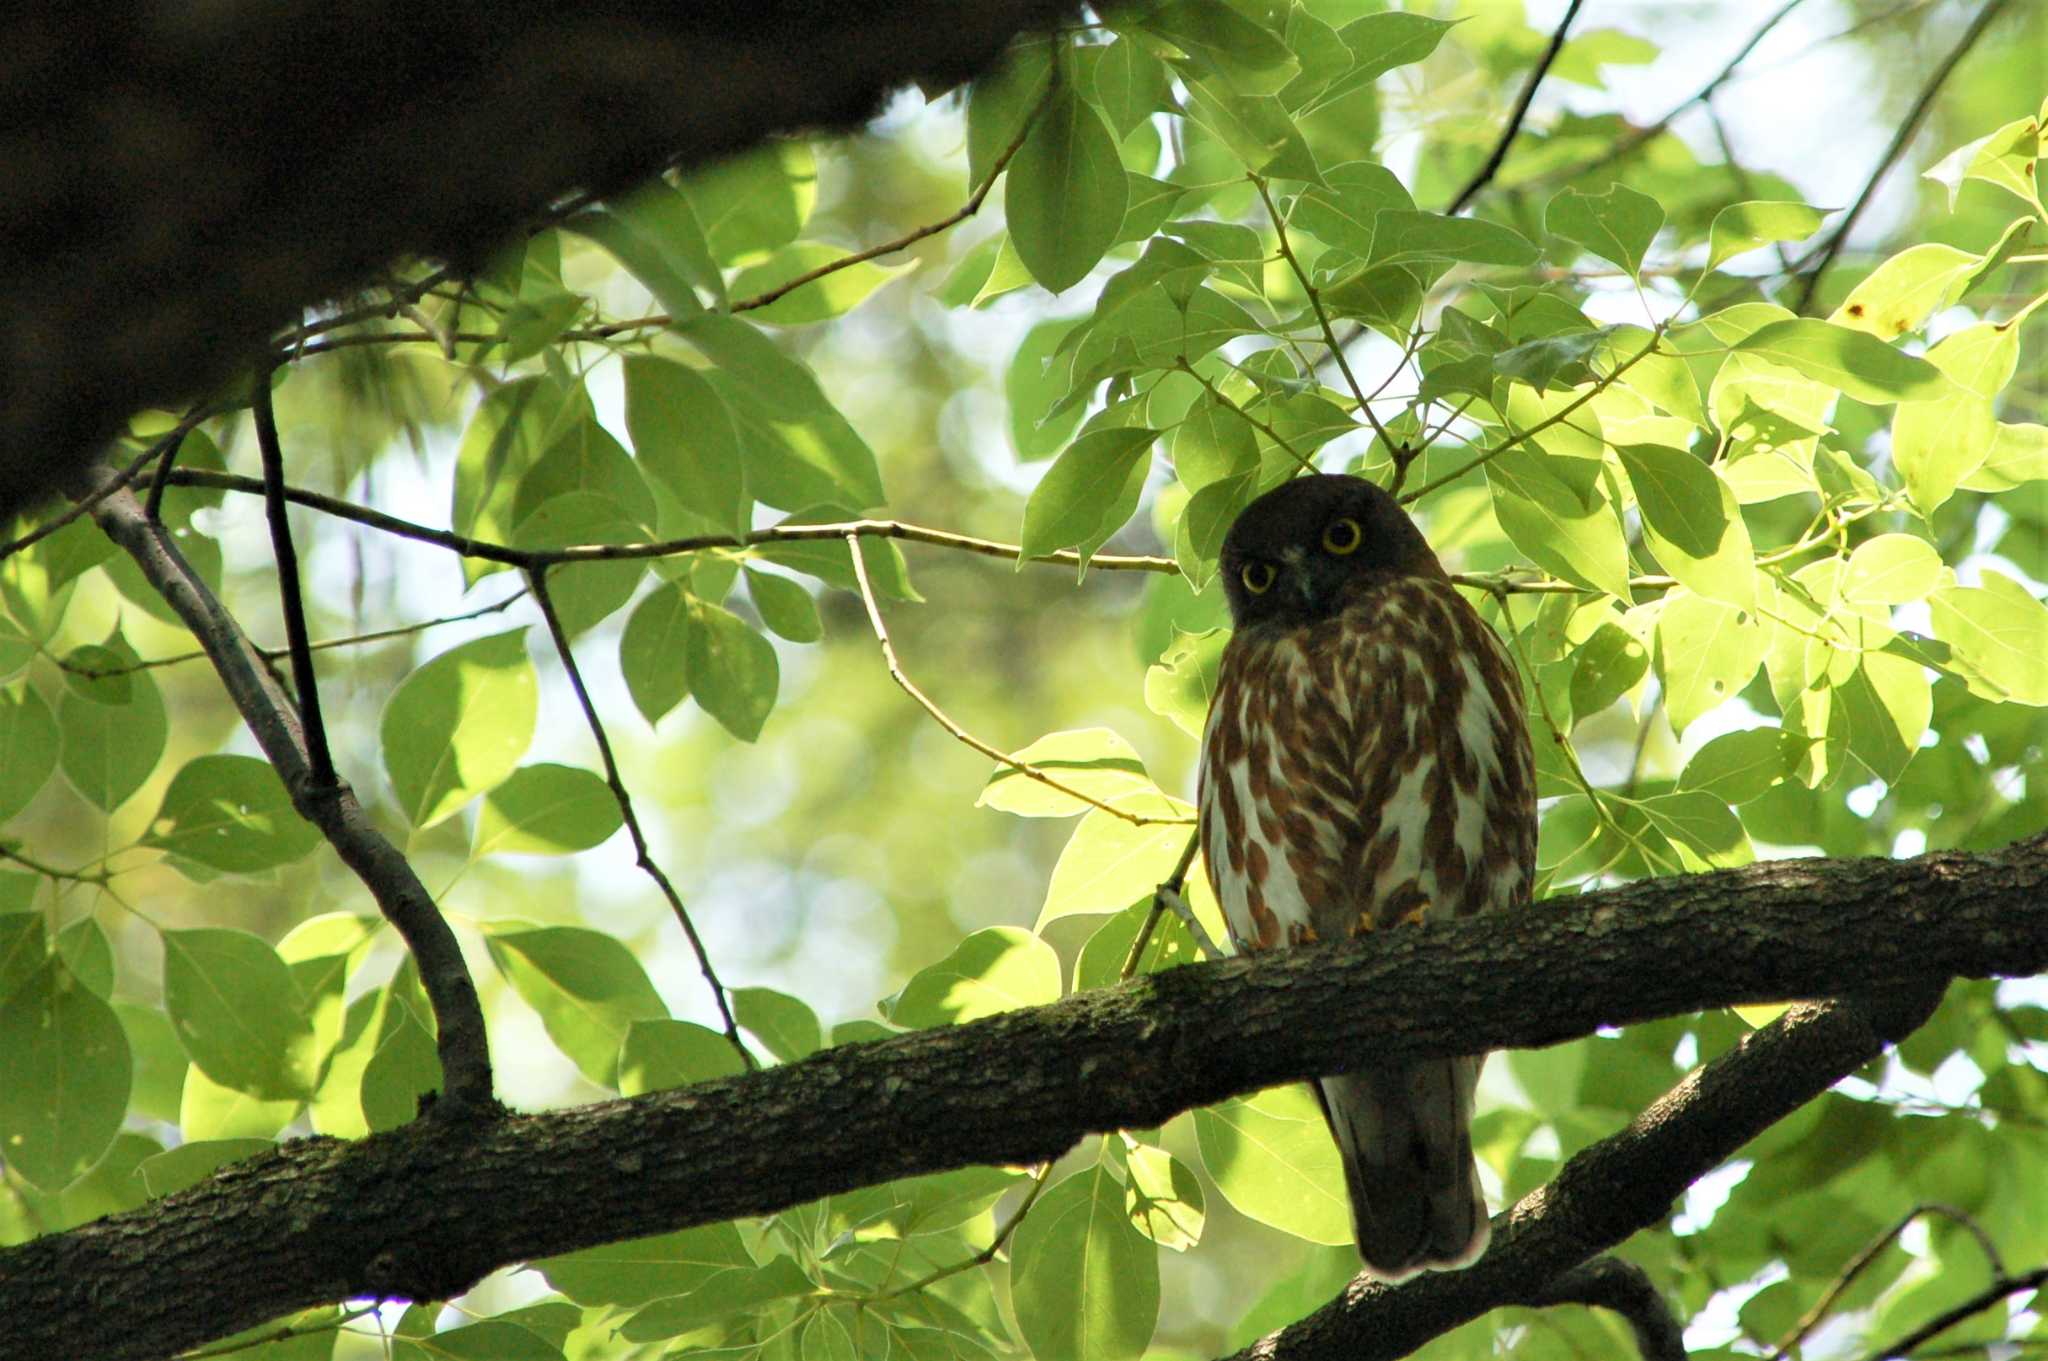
1405, 1136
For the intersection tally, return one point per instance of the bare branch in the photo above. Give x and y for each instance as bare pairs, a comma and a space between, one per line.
2002, 1288
1861, 1263
1625, 1288
274, 720
319, 760
1816, 263
536, 582
1513, 126
953, 729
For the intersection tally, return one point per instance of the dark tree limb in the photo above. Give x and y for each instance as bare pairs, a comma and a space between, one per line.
332, 807
183, 180
424, 1211
1626, 1289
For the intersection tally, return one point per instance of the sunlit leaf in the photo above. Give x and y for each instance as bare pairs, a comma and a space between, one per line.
1096, 762
1617, 225
1742, 227
1853, 361
1692, 522
546, 809
1273, 1159
1085, 1283
1110, 862
237, 1012
67, 1077
1067, 193
230, 813
459, 724
993, 970
586, 985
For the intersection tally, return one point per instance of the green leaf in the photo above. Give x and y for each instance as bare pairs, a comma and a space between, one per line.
89, 955
1378, 43
160, 1063
655, 234
321, 952
1343, 211
1109, 863
1033, 386
459, 724
1213, 442
2005, 158
1272, 1158
736, 1289
28, 748
1936, 444
1880, 713
1130, 85
1067, 193
230, 813
1705, 830
1181, 683
732, 669
663, 1053
196, 1160
785, 1024
405, 1066
1707, 652
587, 987
684, 434
1999, 633
1903, 292
114, 730
1096, 762
1000, 968
585, 593
753, 202
1858, 364
1256, 128
512, 427
1607, 666
1557, 529
1074, 498
1404, 236
1084, 1282
799, 449
1162, 1198
1891, 569
785, 607
1739, 766
1742, 227
1692, 522
530, 325
654, 652
546, 809
1000, 100
822, 299
2019, 453
23, 948
1224, 42
1618, 225
643, 1269
67, 1077
209, 1111
237, 1012
831, 561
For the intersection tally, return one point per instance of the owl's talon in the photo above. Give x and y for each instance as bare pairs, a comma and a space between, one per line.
1171, 897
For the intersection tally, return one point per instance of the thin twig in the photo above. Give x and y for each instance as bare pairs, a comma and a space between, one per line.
1515, 117
1636, 138
536, 582
1861, 1262
319, 760
912, 237
284, 1334
272, 654
1998, 1290
1173, 885
1626, 1289
528, 558
86, 503
960, 734
1263, 427
1315, 302
1039, 1177
1593, 390
1817, 263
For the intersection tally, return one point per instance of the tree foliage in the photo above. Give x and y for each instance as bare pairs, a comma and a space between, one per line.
594, 590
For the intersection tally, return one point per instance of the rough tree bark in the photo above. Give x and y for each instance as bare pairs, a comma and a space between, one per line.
424, 1211
182, 179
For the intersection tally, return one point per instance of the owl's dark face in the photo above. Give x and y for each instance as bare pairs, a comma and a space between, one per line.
1291, 554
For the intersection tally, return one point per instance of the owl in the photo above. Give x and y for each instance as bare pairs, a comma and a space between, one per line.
1366, 765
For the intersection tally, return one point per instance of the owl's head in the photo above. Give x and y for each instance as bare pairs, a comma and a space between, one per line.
1291, 554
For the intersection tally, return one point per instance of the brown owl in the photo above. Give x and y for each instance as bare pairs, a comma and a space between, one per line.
1367, 764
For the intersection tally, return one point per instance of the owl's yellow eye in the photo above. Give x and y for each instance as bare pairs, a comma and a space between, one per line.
1343, 536
1257, 577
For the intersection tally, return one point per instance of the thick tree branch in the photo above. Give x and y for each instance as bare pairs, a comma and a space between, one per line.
330, 805
426, 1210
183, 183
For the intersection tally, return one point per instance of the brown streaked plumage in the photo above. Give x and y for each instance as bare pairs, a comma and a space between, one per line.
1367, 764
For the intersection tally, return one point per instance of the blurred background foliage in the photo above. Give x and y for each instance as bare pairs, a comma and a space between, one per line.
842, 851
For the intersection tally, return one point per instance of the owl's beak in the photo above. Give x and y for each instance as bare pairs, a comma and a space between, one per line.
1296, 560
